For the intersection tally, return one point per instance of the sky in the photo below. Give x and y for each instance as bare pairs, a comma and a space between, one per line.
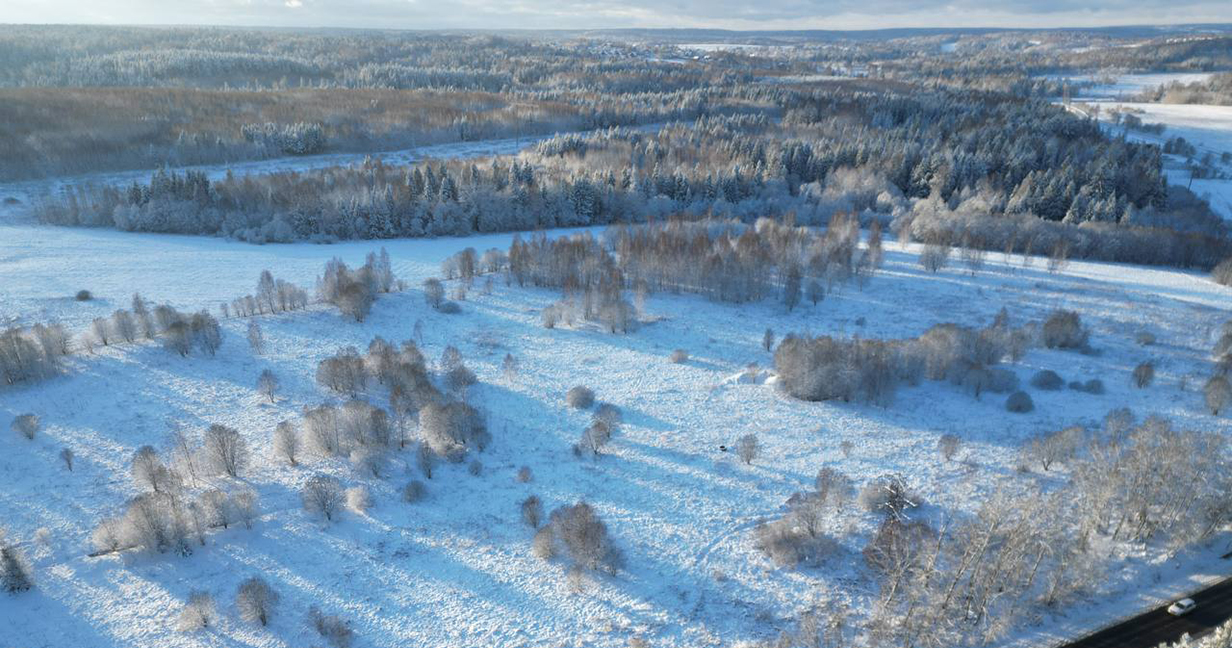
597, 14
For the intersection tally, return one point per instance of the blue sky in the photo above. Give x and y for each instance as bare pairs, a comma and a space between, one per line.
590, 14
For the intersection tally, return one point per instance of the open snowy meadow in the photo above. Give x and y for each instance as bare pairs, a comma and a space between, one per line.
456, 568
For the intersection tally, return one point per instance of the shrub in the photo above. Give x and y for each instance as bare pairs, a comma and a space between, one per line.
414, 491
544, 543
1144, 374
1019, 402
947, 445
679, 355
83, 295
256, 600
1218, 394
767, 339
26, 425
788, 545
322, 495
475, 467
579, 397
748, 447
66, 455
1063, 330
331, 627
425, 459
1092, 386
610, 414
197, 614
449, 308
524, 475
1144, 338
1047, 380
532, 511
15, 574
1001, 380
358, 499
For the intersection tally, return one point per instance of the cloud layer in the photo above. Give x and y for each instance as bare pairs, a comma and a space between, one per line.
598, 14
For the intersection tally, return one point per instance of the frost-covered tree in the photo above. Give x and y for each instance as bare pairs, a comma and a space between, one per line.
256, 339
267, 384
532, 511
256, 600
286, 442
322, 495
224, 450
149, 471
197, 613
1218, 394
748, 447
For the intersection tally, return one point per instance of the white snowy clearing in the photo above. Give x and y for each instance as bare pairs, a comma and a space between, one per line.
456, 569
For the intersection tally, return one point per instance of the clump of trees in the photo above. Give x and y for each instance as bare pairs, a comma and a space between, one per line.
869, 370
576, 532
32, 354
272, 296
354, 291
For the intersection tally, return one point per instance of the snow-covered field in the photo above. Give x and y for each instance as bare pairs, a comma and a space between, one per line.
1128, 85
1208, 128
457, 569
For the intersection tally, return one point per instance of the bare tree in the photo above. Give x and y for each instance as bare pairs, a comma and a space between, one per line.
267, 384
244, 503
256, 600
217, 509
225, 450
358, 499
322, 495
149, 470
532, 511
947, 445
66, 455
434, 292
197, 614
123, 325
286, 442
748, 447
256, 339
767, 339
425, 458
331, 627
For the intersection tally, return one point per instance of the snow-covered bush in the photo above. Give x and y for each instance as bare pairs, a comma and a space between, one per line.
331, 627
26, 425
358, 499
1047, 380
679, 355
1144, 374
532, 511
580, 397
1063, 330
1019, 402
789, 545
414, 491
889, 495
948, 445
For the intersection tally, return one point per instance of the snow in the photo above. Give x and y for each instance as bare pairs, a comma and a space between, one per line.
456, 569
1127, 85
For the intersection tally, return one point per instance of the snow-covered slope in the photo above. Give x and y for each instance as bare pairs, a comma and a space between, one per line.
457, 568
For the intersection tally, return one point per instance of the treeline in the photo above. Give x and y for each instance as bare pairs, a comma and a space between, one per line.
1019, 174
1216, 90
